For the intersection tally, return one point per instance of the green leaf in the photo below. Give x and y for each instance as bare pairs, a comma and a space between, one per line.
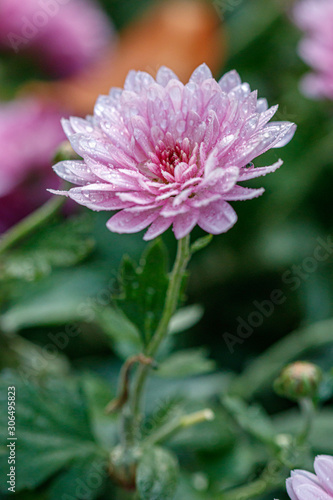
98, 394
252, 419
157, 475
124, 336
186, 363
61, 244
185, 318
60, 298
143, 289
164, 411
52, 426
201, 243
85, 479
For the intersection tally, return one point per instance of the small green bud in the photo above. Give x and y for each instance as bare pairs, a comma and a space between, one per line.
65, 152
298, 380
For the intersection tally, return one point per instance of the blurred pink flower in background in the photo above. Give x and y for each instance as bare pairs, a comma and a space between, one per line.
67, 36
164, 153
30, 131
303, 485
315, 17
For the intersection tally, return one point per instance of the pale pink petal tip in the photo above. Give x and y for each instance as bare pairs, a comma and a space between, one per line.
166, 154
303, 485
315, 18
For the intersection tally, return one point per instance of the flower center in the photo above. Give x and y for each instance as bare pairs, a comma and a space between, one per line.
169, 158
169, 162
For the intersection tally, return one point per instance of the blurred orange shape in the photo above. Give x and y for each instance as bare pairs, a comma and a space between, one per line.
180, 34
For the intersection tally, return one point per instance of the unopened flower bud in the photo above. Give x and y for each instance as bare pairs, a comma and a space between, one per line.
298, 380
65, 152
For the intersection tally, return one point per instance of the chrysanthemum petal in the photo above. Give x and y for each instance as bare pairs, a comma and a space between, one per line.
164, 75
262, 105
310, 492
229, 81
98, 197
184, 223
136, 81
127, 221
290, 489
241, 193
200, 74
287, 135
217, 218
75, 172
158, 227
324, 469
137, 198
253, 172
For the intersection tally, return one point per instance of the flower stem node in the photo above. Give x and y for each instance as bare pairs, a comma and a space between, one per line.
298, 380
123, 466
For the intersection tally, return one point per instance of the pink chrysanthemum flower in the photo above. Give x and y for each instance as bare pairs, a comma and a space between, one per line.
315, 17
30, 132
66, 36
164, 153
303, 485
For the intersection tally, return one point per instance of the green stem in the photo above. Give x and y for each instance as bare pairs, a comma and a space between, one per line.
270, 479
250, 491
172, 428
172, 298
308, 411
30, 223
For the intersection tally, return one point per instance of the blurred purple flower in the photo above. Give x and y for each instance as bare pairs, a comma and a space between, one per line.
303, 485
315, 17
30, 131
66, 36
167, 154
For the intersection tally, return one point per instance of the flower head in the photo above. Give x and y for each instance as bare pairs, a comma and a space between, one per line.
164, 153
315, 17
303, 485
29, 133
66, 36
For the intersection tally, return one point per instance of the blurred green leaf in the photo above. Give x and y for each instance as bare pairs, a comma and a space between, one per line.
251, 419
213, 437
124, 336
29, 358
201, 243
143, 289
63, 297
98, 394
85, 479
185, 318
320, 437
261, 372
157, 475
193, 486
186, 363
53, 428
164, 411
60, 244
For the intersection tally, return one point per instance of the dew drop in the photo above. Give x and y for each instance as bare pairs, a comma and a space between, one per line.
181, 125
